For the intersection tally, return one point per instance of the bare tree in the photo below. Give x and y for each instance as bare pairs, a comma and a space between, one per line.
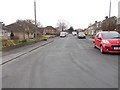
26, 26
109, 23
62, 24
39, 24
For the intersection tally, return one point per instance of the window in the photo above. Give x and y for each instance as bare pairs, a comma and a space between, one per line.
97, 34
111, 35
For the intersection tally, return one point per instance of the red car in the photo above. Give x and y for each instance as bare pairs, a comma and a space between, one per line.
107, 41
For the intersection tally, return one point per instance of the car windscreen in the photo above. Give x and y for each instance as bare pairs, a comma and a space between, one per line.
110, 35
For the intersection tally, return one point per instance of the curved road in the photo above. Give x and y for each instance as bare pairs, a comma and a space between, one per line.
65, 63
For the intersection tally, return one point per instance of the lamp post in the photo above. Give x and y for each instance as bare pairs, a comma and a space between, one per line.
109, 14
35, 18
118, 20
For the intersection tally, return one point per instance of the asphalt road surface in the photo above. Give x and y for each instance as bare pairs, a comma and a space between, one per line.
65, 63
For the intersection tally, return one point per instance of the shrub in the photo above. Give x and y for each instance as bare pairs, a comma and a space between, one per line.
9, 43
45, 37
31, 40
48, 33
23, 41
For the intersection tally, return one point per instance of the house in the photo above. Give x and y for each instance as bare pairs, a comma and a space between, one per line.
94, 28
21, 32
108, 24
90, 30
4, 34
50, 30
40, 30
16, 30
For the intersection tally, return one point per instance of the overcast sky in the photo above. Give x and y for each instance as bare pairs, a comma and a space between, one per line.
78, 13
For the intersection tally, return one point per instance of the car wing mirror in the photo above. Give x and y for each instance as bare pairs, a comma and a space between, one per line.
99, 38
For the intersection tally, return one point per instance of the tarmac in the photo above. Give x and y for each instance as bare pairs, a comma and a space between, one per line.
11, 55
6, 57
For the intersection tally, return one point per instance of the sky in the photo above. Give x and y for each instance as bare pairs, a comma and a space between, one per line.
78, 13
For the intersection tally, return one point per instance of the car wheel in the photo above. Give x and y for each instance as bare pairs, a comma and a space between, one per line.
101, 50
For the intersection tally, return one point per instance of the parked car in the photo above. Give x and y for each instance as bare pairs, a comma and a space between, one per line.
62, 34
107, 41
81, 35
74, 33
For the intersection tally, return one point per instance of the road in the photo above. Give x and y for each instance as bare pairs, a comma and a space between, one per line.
65, 63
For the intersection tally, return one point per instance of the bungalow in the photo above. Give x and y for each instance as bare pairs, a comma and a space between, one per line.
20, 32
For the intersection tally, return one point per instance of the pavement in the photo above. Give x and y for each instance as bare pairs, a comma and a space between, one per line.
65, 63
15, 53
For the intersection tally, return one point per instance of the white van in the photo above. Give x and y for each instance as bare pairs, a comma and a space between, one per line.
74, 33
62, 34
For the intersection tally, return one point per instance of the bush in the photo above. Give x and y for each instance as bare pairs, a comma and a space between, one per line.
48, 33
45, 37
23, 41
8, 43
31, 40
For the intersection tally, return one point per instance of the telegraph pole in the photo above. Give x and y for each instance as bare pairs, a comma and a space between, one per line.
109, 14
35, 18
